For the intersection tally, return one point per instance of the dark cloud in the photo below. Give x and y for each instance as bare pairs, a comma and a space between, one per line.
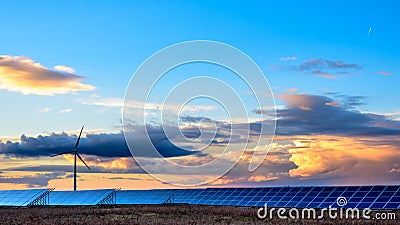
132, 169
102, 145
322, 68
318, 64
306, 114
196, 119
33, 181
267, 112
349, 101
314, 114
46, 168
94, 144
225, 132
303, 114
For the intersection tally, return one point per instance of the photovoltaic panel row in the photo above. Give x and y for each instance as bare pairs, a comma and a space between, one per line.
317, 197
87, 197
376, 197
143, 196
19, 197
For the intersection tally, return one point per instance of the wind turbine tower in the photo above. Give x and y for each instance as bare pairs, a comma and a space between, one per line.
76, 154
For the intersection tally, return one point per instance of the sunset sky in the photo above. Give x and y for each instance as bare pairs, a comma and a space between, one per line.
333, 67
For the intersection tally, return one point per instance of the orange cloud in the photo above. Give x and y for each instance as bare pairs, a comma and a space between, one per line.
332, 156
24, 75
289, 58
384, 72
64, 68
13, 186
222, 181
261, 178
333, 103
109, 180
299, 100
123, 163
305, 108
120, 163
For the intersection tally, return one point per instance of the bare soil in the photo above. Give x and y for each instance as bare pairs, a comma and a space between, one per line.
157, 214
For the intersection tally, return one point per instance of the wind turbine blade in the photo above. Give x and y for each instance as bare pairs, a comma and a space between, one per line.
83, 161
79, 138
62, 153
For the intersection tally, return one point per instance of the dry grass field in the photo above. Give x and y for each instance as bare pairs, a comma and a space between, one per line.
155, 214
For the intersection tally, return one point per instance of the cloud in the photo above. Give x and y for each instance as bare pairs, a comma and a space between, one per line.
289, 58
395, 169
64, 69
124, 178
313, 64
292, 90
320, 138
197, 119
393, 115
68, 110
98, 100
24, 75
33, 181
45, 110
262, 178
323, 74
117, 164
324, 68
337, 156
97, 165
350, 102
46, 168
315, 114
306, 114
273, 169
101, 145
322, 159
384, 72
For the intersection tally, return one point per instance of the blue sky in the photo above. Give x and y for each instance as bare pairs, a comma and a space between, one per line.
106, 41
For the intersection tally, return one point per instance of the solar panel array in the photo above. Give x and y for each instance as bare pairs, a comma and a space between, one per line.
87, 197
378, 197
374, 197
132, 197
20, 197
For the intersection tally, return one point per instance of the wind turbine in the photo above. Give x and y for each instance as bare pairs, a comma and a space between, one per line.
75, 152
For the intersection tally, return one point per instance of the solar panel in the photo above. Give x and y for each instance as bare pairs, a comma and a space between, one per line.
318, 197
375, 197
87, 197
21, 197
